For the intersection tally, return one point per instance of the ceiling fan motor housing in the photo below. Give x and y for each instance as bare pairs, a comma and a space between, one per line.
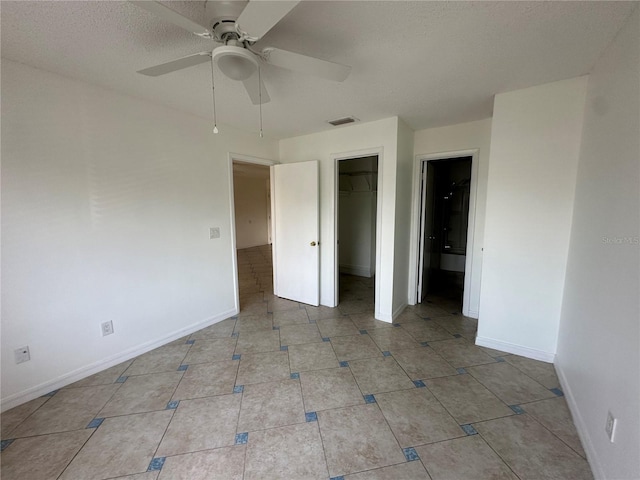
224, 29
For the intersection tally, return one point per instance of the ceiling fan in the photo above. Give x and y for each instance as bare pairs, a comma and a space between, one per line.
237, 29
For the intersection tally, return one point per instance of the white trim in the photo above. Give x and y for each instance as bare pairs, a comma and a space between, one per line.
471, 228
516, 349
259, 244
274, 259
336, 157
581, 427
414, 245
96, 367
239, 157
336, 229
394, 314
423, 183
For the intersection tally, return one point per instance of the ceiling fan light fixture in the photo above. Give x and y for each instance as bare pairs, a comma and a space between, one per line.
236, 63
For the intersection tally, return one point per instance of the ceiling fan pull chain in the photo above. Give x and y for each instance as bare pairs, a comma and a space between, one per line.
260, 98
213, 96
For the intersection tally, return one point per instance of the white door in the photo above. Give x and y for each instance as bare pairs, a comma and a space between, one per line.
296, 249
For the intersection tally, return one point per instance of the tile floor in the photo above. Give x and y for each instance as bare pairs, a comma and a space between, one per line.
288, 391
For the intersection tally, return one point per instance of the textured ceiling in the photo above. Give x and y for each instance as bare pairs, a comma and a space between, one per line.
431, 63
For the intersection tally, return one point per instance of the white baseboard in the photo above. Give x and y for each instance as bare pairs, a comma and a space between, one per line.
471, 314
399, 310
252, 245
83, 372
357, 270
516, 349
580, 425
383, 317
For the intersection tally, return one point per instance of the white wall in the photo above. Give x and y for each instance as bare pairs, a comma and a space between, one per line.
106, 207
356, 140
535, 138
462, 137
599, 338
357, 233
404, 177
251, 203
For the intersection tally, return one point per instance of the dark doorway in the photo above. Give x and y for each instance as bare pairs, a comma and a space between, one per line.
444, 223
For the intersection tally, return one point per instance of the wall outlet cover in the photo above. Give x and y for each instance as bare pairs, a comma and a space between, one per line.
214, 232
22, 354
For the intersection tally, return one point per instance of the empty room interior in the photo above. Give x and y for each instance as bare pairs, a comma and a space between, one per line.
320, 240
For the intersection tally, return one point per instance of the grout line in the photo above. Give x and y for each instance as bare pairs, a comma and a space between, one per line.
322, 443
549, 430
79, 450
495, 451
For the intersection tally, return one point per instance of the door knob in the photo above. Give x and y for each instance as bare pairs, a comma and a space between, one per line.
313, 244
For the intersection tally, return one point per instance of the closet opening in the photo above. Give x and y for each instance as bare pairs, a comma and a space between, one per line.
356, 209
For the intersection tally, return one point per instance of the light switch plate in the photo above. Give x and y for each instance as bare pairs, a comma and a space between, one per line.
214, 232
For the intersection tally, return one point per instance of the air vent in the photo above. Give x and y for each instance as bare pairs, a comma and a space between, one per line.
342, 121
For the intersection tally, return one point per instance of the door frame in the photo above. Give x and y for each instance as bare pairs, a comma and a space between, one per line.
231, 157
414, 253
337, 157
424, 196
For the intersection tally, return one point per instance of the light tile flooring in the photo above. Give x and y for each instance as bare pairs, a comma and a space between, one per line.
287, 391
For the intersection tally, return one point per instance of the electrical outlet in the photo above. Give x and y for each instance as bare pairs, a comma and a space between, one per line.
214, 232
107, 328
22, 354
610, 427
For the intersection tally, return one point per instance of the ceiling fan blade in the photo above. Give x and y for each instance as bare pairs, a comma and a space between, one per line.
306, 64
174, 17
256, 93
260, 16
178, 64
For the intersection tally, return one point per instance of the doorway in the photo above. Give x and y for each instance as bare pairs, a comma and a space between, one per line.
252, 204
250, 189
444, 225
289, 267
356, 249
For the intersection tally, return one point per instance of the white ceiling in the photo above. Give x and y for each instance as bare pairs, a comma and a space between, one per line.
431, 63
